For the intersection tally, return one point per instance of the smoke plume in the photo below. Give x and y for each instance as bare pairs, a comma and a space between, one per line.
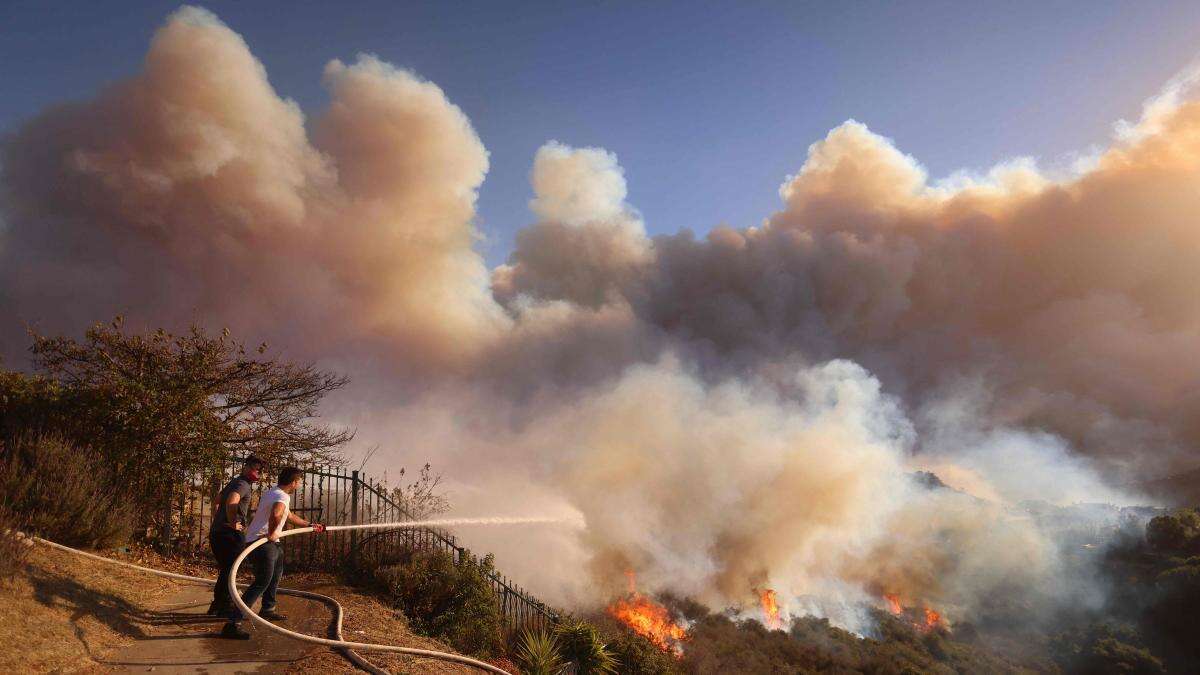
735, 410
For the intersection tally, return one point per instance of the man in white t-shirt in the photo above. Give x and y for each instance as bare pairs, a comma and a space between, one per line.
273, 512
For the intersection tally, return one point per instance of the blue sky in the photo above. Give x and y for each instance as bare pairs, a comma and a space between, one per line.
708, 105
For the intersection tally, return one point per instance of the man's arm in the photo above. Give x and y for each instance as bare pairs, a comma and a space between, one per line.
231, 510
297, 521
276, 518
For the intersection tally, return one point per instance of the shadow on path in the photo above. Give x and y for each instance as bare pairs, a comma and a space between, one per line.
172, 634
119, 615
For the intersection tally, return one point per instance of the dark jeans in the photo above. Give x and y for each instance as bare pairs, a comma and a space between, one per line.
268, 567
226, 546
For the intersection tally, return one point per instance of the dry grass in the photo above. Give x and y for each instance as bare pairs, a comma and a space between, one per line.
66, 612
14, 547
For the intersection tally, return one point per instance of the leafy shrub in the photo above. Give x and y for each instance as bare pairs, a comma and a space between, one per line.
633, 653
446, 599
537, 653
1104, 648
638, 656
582, 644
63, 492
1167, 619
1174, 533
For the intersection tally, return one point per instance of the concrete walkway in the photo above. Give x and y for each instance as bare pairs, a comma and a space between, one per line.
183, 639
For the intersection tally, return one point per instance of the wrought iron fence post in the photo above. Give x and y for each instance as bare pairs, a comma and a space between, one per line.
354, 518
165, 531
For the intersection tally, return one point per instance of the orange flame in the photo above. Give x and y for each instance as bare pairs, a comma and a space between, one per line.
649, 619
893, 603
924, 620
932, 619
771, 608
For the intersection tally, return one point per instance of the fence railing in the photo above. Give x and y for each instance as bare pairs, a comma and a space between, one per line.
335, 496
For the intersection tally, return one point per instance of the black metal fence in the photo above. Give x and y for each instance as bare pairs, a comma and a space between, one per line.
335, 496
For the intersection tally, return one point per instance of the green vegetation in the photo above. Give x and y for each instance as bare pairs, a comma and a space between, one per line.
1157, 590
1174, 534
537, 653
444, 598
638, 656
1103, 648
582, 644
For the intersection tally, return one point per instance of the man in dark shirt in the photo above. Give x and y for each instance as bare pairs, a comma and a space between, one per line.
225, 536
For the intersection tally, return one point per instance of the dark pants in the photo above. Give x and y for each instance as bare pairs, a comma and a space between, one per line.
268, 567
226, 546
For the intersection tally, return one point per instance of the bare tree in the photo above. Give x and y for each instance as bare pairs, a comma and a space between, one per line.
424, 496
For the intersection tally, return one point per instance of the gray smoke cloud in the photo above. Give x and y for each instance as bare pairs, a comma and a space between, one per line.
723, 412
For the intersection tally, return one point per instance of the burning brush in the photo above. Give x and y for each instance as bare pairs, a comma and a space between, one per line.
649, 619
770, 607
923, 618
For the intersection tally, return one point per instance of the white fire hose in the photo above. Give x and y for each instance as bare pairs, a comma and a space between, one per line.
344, 646
361, 646
337, 607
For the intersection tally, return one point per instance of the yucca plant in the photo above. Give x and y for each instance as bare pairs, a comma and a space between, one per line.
581, 643
537, 653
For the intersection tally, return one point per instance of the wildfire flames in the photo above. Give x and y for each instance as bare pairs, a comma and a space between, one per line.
893, 604
925, 619
932, 619
771, 608
649, 619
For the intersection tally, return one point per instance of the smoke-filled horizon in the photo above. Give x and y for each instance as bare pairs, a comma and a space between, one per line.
726, 412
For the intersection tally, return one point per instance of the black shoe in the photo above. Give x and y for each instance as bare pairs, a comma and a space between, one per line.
271, 615
217, 609
232, 632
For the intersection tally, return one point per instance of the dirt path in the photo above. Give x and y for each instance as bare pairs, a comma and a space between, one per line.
74, 615
182, 639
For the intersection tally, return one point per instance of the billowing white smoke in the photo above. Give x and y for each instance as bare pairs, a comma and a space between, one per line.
588, 245
727, 412
193, 192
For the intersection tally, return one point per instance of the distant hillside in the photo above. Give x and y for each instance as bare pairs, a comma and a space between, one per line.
1181, 489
